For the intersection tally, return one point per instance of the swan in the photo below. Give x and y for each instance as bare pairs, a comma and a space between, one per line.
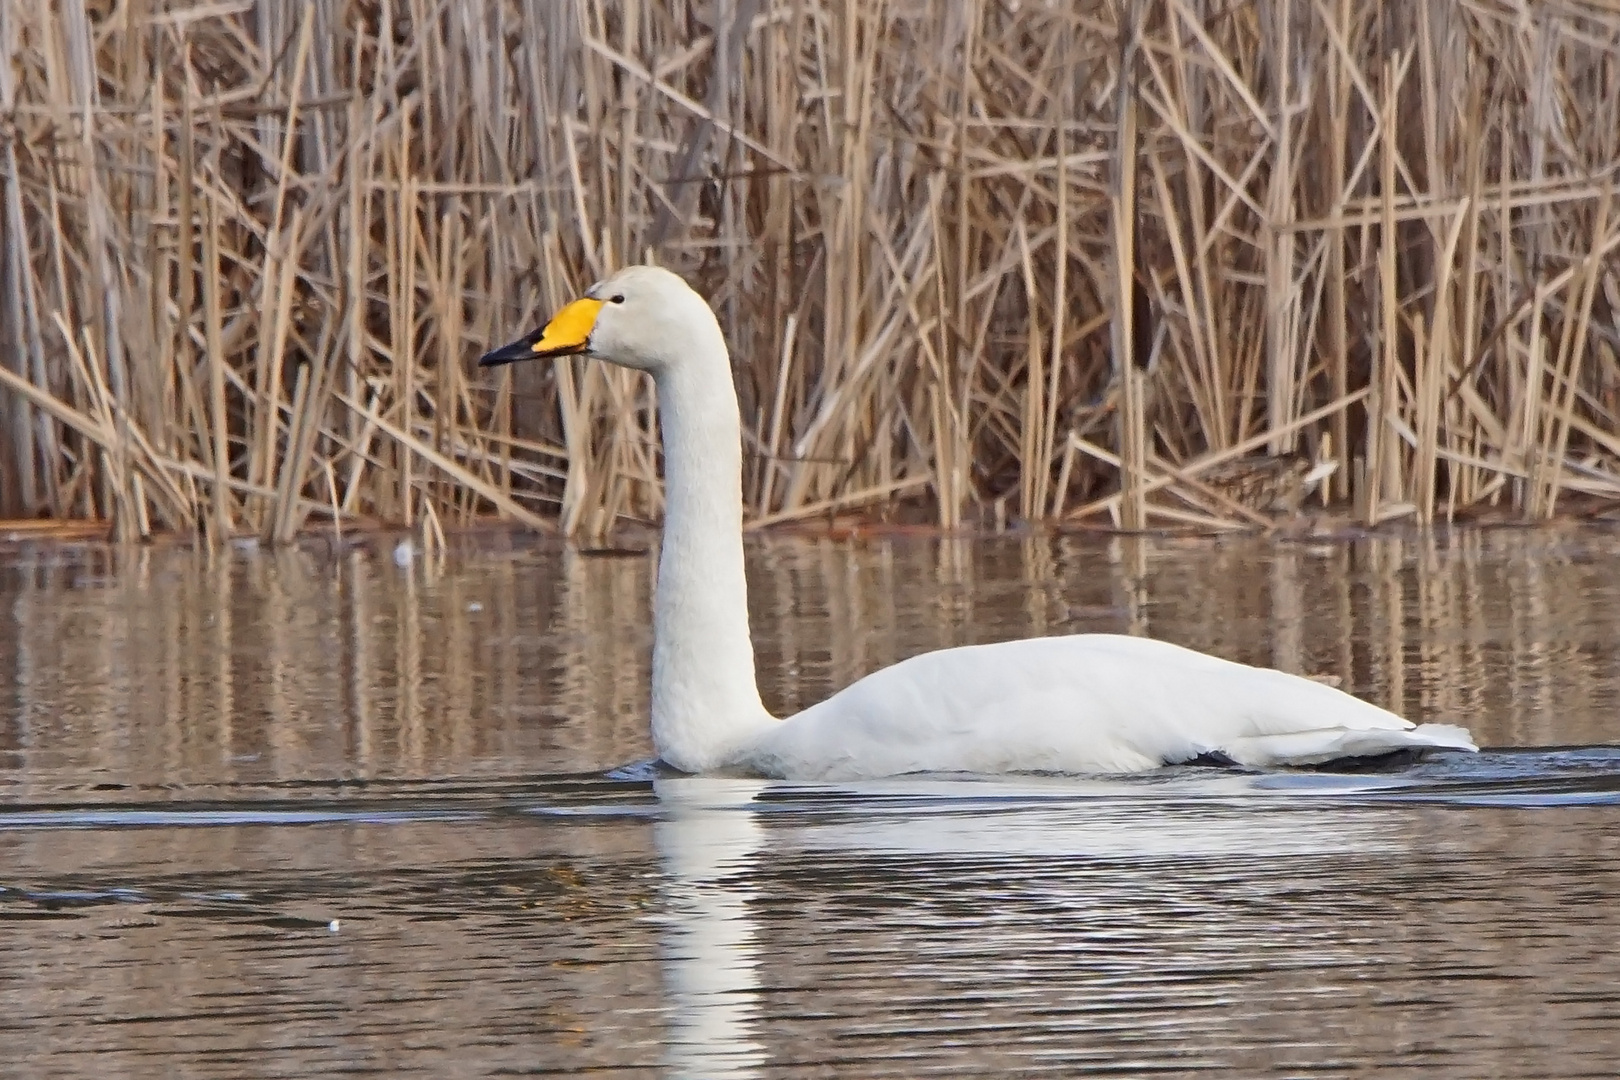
1084, 703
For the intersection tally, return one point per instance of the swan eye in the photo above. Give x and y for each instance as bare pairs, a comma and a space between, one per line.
617, 298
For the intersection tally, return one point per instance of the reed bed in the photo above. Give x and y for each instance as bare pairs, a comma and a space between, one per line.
978, 260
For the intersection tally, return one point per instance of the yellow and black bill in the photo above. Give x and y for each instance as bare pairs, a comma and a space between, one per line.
567, 334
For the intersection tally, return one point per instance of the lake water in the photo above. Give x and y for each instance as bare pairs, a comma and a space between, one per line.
297, 813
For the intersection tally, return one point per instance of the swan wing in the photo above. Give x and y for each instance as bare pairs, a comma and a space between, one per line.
1091, 703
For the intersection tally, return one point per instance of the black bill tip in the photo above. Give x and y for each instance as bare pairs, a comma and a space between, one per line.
521, 349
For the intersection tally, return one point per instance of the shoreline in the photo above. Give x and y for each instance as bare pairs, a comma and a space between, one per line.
631, 537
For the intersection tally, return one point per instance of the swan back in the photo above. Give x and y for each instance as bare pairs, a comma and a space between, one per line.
1089, 703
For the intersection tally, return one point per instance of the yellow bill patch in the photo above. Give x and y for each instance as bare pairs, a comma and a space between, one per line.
569, 331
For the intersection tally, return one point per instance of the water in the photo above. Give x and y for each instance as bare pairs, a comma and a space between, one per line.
302, 813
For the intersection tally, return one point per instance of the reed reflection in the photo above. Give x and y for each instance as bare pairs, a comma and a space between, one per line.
152, 667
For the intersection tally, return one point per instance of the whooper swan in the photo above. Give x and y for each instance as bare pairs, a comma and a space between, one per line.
1086, 703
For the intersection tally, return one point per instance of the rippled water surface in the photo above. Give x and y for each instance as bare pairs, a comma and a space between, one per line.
298, 814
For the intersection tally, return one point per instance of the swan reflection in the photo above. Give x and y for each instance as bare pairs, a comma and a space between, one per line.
711, 845
708, 838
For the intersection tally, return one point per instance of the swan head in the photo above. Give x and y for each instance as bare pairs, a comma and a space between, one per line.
642, 317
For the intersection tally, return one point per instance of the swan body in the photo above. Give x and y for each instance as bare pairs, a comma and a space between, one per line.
1085, 703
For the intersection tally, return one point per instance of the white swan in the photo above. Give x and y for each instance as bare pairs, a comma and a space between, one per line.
1088, 703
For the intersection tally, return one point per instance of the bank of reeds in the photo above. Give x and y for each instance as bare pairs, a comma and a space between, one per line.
990, 259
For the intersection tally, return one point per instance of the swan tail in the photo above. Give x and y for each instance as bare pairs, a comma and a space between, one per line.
1449, 736
1331, 744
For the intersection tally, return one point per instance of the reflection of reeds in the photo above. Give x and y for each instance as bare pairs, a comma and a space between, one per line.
247, 254
160, 666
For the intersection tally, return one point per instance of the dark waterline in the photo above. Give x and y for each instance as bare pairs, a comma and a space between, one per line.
294, 815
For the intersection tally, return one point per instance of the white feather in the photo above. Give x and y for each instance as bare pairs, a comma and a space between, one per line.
1091, 703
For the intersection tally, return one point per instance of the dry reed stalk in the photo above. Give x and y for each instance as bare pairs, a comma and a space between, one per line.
1123, 211
274, 236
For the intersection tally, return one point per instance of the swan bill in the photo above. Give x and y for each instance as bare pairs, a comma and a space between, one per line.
567, 334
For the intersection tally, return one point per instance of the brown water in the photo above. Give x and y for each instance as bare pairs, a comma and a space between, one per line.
297, 815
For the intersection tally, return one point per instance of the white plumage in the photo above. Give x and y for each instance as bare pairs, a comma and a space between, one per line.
1087, 703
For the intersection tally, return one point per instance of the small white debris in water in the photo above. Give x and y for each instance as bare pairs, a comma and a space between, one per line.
475, 606
404, 553
332, 926
248, 544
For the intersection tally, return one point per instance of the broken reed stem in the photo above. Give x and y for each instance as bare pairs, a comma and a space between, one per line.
275, 237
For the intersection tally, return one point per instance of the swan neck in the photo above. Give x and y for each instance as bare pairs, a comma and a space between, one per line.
706, 707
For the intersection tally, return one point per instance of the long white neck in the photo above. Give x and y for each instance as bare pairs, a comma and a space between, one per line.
705, 701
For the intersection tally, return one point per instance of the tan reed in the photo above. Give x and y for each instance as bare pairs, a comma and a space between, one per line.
977, 260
